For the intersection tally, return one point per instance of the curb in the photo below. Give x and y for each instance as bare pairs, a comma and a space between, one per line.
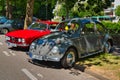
84, 69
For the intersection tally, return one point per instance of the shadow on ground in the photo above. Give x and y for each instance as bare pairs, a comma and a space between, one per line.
116, 51
55, 65
20, 49
46, 64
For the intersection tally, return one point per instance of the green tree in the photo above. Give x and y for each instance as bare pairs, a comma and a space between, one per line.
2, 7
90, 7
117, 11
19, 8
12, 8
68, 5
9, 9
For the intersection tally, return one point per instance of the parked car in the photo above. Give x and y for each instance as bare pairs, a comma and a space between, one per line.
77, 38
2, 19
23, 38
11, 25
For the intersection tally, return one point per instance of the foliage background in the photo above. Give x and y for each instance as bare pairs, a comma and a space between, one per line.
43, 9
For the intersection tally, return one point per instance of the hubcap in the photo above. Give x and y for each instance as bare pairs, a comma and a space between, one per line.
107, 46
70, 58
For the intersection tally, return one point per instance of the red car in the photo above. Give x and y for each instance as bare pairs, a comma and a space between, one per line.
23, 38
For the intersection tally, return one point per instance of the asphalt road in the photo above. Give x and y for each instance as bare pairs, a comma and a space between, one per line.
14, 65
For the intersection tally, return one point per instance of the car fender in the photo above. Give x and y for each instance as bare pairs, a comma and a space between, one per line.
66, 46
107, 37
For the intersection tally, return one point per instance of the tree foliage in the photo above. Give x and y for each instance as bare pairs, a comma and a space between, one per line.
68, 5
117, 10
43, 8
90, 7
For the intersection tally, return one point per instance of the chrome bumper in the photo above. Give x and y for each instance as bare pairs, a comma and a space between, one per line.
44, 58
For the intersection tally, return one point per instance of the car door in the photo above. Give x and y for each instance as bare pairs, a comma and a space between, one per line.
99, 32
89, 39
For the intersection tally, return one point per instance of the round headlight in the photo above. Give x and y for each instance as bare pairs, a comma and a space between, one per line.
19, 40
55, 49
23, 40
7, 38
58, 40
32, 46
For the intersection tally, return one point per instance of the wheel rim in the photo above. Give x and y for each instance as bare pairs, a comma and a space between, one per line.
107, 46
70, 58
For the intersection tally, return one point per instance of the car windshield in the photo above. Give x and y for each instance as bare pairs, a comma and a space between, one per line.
38, 26
62, 26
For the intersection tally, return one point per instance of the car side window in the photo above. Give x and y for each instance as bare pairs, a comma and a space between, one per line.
88, 29
53, 26
74, 26
100, 28
42, 26
62, 26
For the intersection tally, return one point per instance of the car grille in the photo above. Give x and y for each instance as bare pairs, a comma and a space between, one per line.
13, 39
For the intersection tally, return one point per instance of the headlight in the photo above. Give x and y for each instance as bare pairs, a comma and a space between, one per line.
7, 38
55, 49
60, 40
32, 45
19, 40
23, 40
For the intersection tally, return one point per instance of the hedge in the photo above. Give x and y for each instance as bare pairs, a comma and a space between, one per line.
112, 27
114, 30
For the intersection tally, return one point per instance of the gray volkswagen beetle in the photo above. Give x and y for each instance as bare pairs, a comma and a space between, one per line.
73, 39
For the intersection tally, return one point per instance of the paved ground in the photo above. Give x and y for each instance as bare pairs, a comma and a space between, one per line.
14, 65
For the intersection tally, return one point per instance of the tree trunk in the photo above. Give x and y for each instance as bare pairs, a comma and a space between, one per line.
29, 13
8, 9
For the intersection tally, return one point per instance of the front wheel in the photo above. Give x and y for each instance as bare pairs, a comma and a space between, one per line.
69, 58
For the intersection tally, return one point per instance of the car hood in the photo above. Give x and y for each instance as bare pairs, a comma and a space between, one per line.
53, 39
4, 25
56, 35
28, 33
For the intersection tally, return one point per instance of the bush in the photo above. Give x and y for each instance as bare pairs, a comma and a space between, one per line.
112, 27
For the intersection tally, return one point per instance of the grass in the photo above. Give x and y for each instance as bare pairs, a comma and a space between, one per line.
105, 64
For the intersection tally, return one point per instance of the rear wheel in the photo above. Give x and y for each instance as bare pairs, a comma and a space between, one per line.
69, 58
107, 47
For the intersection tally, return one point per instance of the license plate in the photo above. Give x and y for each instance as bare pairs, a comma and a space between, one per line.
37, 57
12, 45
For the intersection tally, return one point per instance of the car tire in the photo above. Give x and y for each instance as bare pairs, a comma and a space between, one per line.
4, 30
69, 58
107, 47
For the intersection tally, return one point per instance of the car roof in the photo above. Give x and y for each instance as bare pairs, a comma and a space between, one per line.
49, 22
83, 20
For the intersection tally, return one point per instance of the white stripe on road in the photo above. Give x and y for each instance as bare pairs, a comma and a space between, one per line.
29, 74
6, 53
40, 75
1, 43
12, 53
